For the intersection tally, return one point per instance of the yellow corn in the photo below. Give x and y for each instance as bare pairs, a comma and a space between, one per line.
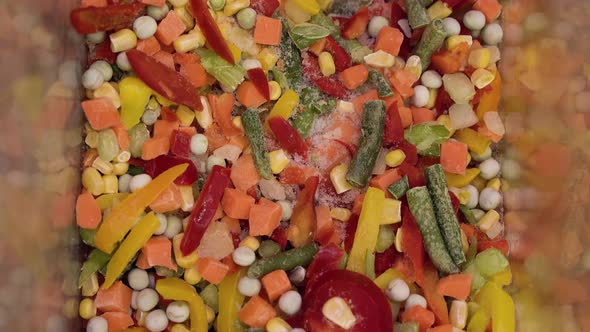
395, 158
324, 4
107, 90
192, 276
234, 6
445, 120
199, 35
488, 220
187, 199
327, 66
398, 240
210, 314
91, 138
380, 59
250, 242
494, 184
92, 181
185, 16
456, 180
479, 183
341, 214
338, 178
111, 184
186, 43
102, 166
123, 40
278, 161
268, 58
120, 168
338, 312
479, 58
188, 261
90, 286
277, 324
414, 65
461, 194
275, 90
87, 308
295, 13
454, 41
391, 211
185, 115
204, 117
439, 9
285, 105
123, 157
179, 328
432, 94
237, 122
475, 142
309, 6
235, 51
458, 314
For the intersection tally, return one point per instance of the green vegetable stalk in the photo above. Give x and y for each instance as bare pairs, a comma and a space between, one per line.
254, 132
230, 76
96, 261
286, 260
432, 40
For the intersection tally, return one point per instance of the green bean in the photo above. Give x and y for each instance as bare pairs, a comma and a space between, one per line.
417, 15
286, 260
399, 188
445, 215
291, 58
254, 132
472, 250
135, 170
108, 145
210, 296
268, 248
422, 209
378, 81
364, 160
95, 261
137, 136
432, 40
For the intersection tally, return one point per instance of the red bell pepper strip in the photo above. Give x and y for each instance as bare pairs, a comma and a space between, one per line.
302, 226
287, 136
180, 144
211, 30
160, 164
258, 77
205, 208
357, 24
164, 80
397, 13
415, 176
443, 102
342, 59
167, 114
410, 151
330, 84
113, 17
102, 51
349, 231
394, 129
280, 236
412, 243
264, 7
385, 260
327, 259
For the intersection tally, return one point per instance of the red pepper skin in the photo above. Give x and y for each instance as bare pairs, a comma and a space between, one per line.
385, 260
443, 102
410, 151
180, 144
412, 243
280, 236
330, 84
394, 129
205, 208
211, 30
167, 114
341, 58
357, 24
158, 165
164, 80
351, 148
113, 17
397, 13
264, 7
258, 77
103, 51
327, 259
415, 176
350, 231
302, 226
287, 136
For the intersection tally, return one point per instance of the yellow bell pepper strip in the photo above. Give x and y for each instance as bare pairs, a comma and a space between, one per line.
230, 302
500, 306
478, 321
179, 290
139, 235
475, 142
135, 95
503, 278
383, 280
365, 237
284, 106
119, 221
459, 181
107, 201
490, 100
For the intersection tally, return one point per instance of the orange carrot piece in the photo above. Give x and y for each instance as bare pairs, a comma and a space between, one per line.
165, 128
170, 28
169, 200
424, 317
117, 321
244, 174
455, 285
257, 312
453, 157
236, 203
402, 80
490, 8
442, 328
389, 40
268, 31
215, 137
149, 46
155, 147
318, 47
158, 252
222, 107
233, 224
386, 179
249, 96
142, 262
406, 115
115, 298
240, 141
275, 284
158, 3
264, 217
122, 136
420, 115
195, 73
354, 76
362, 99
186, 58
324, 231
296, 174
450, 61
93, 3
436, 302
88, 213
101, 113
212, 270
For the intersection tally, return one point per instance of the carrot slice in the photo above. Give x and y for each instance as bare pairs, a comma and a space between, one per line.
212, 270
276, 283
115, 298
88, 213
264, 217
455, 285
101, 113
257, 312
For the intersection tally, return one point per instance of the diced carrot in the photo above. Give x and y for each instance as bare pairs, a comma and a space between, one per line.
190, 131
232, 223
148, 46
249, 96
386, 179
502, 245
318, 47
442, 328
195, 73
115, 298
406, 115
155, 147
117, 321
158, 3
268, 31
222, 107
484, 131
354, 76
296, 174
236, 203
424, 317
396, 98
101, 113
158, 252
170, 28
142, 262
453, 157
325, 229
257, 312
186, 58
243, 173
212, 270
169, 200
276, 283
450, 61
357, 205
468, 229
88, 213
164, 58
420, 115
362, 99
264, 217
490, 8
165, 128
122, 136
402, 80
215, 137
93, 3
389, 40
455, 285
344, 127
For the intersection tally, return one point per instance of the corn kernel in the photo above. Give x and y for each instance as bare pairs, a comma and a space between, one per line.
122, 157
204, 117
120, 168
185, 115
90, 286
454, 41
191, 275
338, 178
179, 328
111, 184
488, 220
495, 230
391, 211
439, 10
380, 59
338, 312
344, 106
482, 78
432, 94
277, 324
327, 66
210, 314
461, 194
494, 184
468, 158
107, 90
87, 308
458, 314
186, 43
398, 240
395, 158
275, 90
235, 51
199, 35
91, 138
341, 214
250, 242
231, 8
102, 166
140, 317
324, 4
123, 40
268, 58
464, 241
445, 120
278, 161
309, 6
479, 183
185, 261
187, 199
185, 16
414, 65
237, 122
479, 58
92, 181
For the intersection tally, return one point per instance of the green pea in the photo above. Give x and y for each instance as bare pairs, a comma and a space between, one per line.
246, 18
217, 5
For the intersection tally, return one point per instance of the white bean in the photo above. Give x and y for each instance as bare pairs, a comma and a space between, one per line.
398, 290
138, 279
156, 321
178, 311
489, 199
290, 302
